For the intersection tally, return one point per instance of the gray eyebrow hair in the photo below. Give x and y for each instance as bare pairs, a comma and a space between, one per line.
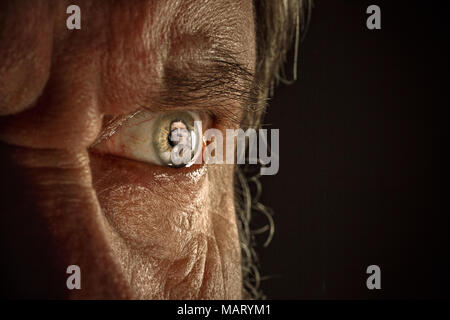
215, 82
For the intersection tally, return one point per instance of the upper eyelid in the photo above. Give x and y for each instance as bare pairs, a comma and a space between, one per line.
223, 112
220, 84
224, 100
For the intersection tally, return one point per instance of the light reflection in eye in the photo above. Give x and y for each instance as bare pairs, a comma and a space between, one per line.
169, 139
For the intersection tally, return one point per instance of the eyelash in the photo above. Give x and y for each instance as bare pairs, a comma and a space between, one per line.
110, 126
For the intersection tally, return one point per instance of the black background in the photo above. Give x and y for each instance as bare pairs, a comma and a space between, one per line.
362, 176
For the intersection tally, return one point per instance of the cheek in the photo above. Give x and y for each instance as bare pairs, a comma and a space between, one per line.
177, 226
160, 215
148, 207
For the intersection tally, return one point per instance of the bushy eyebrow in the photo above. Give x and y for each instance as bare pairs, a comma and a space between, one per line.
220, 85
217, 83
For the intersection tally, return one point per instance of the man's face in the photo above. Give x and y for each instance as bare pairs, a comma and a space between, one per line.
136, 229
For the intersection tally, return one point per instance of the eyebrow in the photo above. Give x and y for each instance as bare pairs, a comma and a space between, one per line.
217, 82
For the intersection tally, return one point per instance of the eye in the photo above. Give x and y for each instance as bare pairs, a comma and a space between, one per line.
170, 139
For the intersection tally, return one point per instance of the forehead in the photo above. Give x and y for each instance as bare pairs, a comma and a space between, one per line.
124, 46
177, 124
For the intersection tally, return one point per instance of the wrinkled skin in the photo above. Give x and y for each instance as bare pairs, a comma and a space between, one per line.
136, 230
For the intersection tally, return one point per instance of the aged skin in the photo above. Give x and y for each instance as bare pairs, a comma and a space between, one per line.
137, 230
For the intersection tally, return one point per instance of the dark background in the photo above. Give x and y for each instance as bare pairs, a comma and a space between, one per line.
362, 176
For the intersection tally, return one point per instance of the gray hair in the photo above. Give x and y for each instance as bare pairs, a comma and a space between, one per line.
278, 25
